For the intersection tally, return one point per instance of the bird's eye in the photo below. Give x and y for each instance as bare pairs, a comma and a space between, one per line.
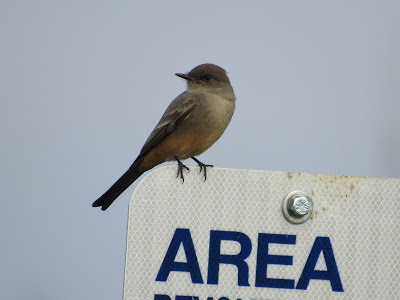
207, 77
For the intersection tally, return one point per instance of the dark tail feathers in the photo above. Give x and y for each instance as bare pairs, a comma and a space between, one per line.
117, 188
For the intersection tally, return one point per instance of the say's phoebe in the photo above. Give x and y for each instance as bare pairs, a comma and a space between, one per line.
192, 123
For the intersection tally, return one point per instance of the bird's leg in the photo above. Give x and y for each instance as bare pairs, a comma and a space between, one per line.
180, 168
202, 165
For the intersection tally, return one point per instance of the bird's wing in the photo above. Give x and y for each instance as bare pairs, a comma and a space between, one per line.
176, 112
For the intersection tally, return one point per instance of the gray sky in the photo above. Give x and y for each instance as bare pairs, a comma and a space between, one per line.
83, 83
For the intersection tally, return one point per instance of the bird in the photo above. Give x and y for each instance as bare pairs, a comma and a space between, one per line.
190, 125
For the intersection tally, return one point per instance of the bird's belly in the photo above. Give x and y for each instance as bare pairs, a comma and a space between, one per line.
187, 145
182, 146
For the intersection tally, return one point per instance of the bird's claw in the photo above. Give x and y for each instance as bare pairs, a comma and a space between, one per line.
202, 166
180, 169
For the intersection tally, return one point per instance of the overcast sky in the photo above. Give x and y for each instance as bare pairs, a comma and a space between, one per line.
83, 83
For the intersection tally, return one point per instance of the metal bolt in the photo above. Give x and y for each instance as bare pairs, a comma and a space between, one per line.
297, 207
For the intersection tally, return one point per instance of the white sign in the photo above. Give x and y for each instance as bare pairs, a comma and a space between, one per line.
227, 238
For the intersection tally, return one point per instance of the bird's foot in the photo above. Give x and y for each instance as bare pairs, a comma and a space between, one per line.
180, 168
202, 166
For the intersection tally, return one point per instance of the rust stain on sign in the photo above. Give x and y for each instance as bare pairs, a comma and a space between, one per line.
342, 183
340, 188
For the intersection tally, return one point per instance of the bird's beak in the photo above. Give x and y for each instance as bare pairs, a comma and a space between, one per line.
184, 76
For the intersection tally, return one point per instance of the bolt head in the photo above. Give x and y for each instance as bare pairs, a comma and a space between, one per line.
299, 206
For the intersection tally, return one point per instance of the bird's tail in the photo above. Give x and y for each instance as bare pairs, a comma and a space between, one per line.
117, 188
